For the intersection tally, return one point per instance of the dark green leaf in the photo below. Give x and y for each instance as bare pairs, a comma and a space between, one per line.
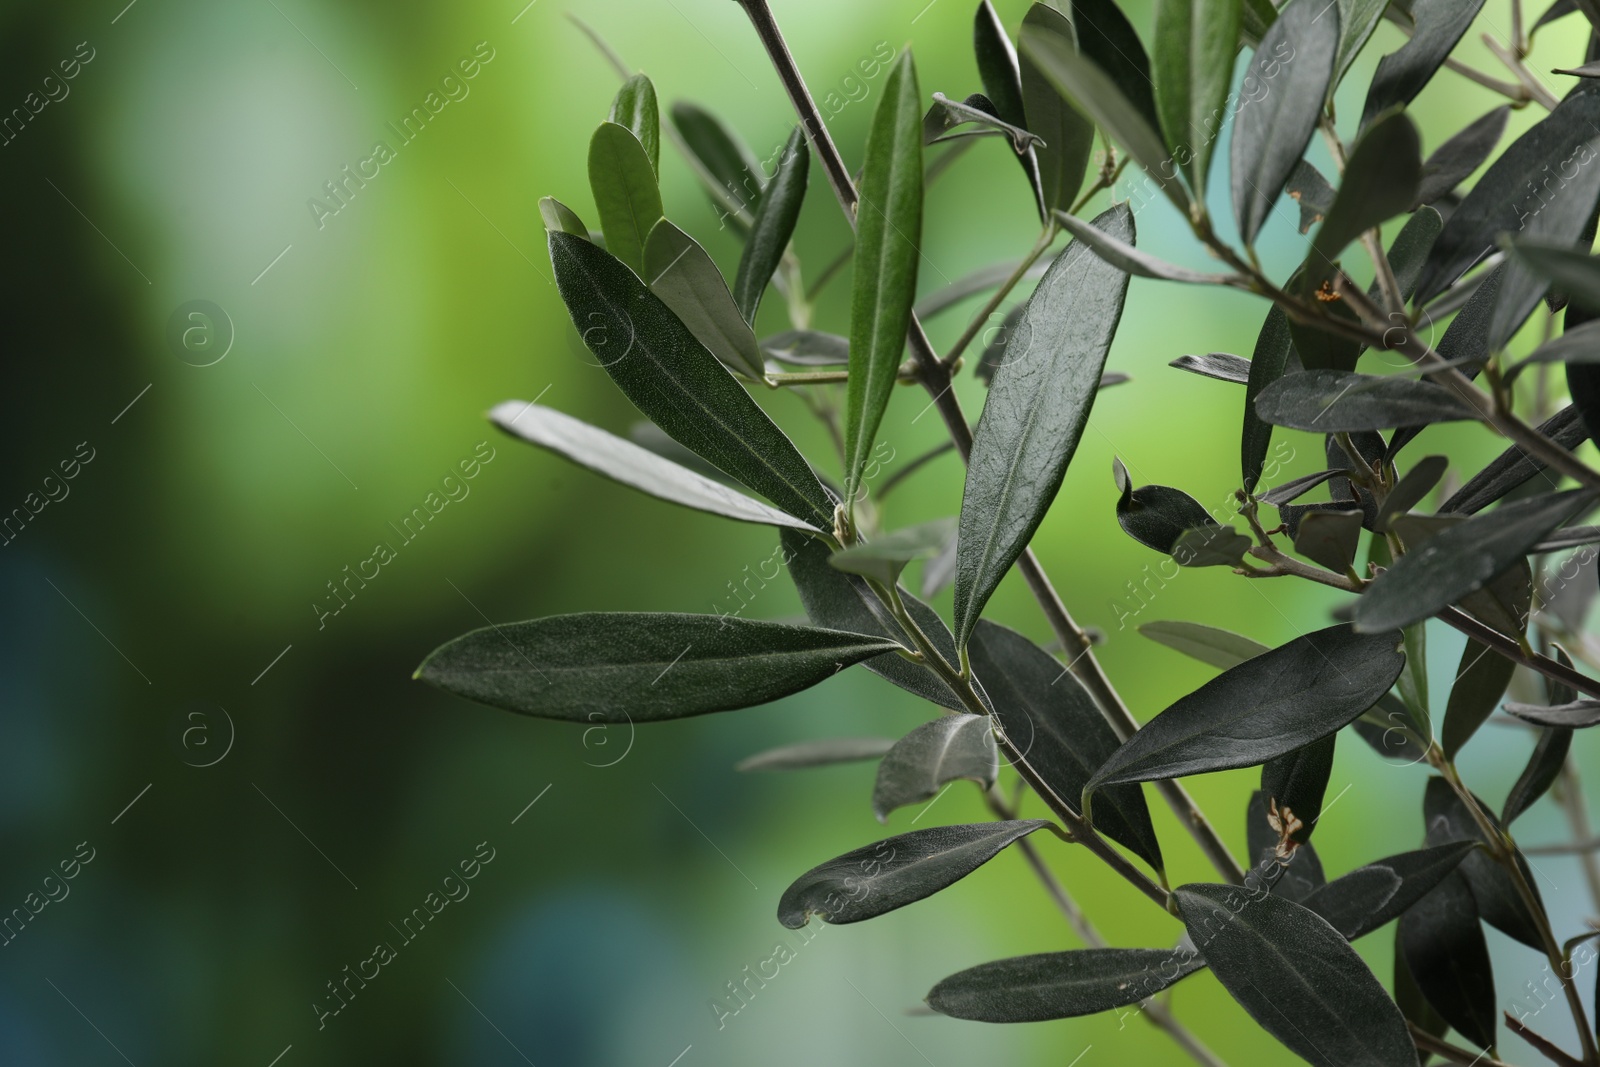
1369, 897
617, 667
671, 377
775, 218
1588, 70
1513, 189
997, 65
1357, 20
1222, 366
936, 753
895, 872
1447, 819
1380, 181
1330, 538
803, 755
1481, 680
683, 275
1081, 80
1409, 491
1053, 722
1195, 43
888, 235
884, 559
1125, 257
807, 348
1401, 75
1319, 347
1108, 40
1578, 715
1573, 269
1581, 345
1556, 10
1068, 136
840, 601
625, 193
625, 462
1459, 158
1296, 783
725, 160
635, 108
1037, 409
1060, 985
1544, 767
558, 216
1264, 708
1466, 341
1157, 515
1295, 872
1207, 644
1329, 401
1445, 951
946, 115
1297, 977
1282, 100
1296, 488
1308, 188
969, 285
1463, 559
1413, 1005
1409, 253
1537, 256
1514, 467
1571, 537
994, 352
1210, 545
1274, 346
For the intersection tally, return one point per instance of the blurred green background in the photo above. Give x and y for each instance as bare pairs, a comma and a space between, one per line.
294, 795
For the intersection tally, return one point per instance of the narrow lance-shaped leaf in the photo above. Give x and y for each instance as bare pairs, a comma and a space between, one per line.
807, 348
1458, 158
803, 755
885, 558
1108, 40
1297, 977
725, 160
1481, 680
1440, 24
1296, 782
1577, 272
1264, 708
930, 757
775, 219
1274, 346
1410, 490
1514, 467
1447, 819
1463, 559
888, 239
1038, 406
1051, 720
1567, 218
1357, 20
1219, 648
625, 192
686, 279
1332, 401
1001, 73
1283, 95
1125, 257
895, 872
1380, 181
635, 108
1544, 767
1223, 366
638, 468
1369, 897
1581, 345
618, 667
1444, 948
1195, 43
1578, 715
1409, 252
1068, 136
671, 377
560, 217
1060, 985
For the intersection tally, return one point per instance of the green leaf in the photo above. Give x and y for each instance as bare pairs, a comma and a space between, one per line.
839, 601
1210, 545
1156, 516
1440, 25
1445, 951
803, 755
1297, 977
1357, 20
1207, 644
1274, 345
936, 753
686, 279
1413, 684
1578, 715
1371, 896
895, 872
946, 115
807, 348
1581, 345
1514, 467
1067, 135
1574, 270
884, 559
638, 468
1380, 181
1513, 191
1308, 188
1296, 783
1108, 40
888, 235
775, 219
1195, 43
1481, 680
724, 160
559, 217
1409, 253
1463, 559
1060, 985
1459, 158
1409, 491
1330, 538
1447, 819
1544, 767
1255, 18
997, 65
1081, 81
1037, 409
1262, 709
635, 108
1330, 401
1125, 257
1291, 70
1294, 876
969, 285
618, 667
625, 193
1413, 1005
656, 361
1296, 488
1223, 366
1050, 718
